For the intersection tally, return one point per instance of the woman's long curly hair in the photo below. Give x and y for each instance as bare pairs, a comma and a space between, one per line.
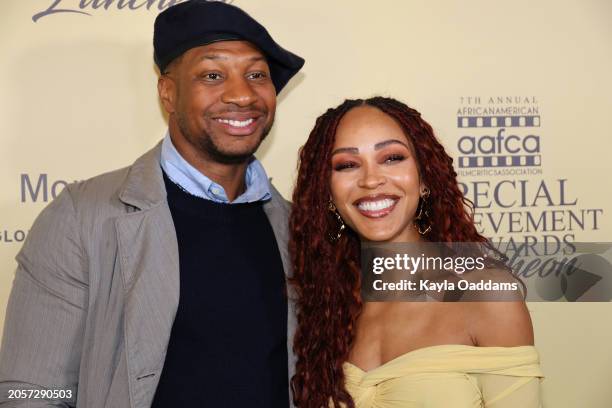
326, 276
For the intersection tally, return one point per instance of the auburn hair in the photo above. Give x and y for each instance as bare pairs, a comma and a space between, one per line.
326, 273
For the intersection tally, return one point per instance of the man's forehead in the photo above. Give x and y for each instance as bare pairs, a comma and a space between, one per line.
224, 50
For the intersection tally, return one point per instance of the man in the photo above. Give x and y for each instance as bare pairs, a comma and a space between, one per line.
95, 315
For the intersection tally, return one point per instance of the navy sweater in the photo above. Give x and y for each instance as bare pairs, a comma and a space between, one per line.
228, 346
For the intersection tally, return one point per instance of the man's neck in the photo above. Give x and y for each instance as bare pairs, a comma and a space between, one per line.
229, 176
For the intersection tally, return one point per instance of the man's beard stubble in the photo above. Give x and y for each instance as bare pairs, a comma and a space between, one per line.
205, 144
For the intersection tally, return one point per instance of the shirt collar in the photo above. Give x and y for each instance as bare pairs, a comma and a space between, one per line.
194, 182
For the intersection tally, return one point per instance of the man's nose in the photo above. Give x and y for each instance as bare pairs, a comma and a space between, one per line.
238, 91
371, 177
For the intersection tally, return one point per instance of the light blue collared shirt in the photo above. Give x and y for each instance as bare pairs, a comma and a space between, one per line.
191, 180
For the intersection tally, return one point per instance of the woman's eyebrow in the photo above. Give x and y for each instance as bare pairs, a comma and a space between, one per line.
351, 150
377, 146
380, 145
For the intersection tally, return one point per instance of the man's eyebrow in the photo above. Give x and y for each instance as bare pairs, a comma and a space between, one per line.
212, 57
377, 146
225, 57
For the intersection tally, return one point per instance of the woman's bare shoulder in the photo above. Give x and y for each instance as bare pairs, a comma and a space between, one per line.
504, 324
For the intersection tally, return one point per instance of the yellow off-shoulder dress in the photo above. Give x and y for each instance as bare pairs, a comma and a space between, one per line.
450, 376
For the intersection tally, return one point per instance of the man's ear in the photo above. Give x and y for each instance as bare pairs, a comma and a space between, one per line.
166, 87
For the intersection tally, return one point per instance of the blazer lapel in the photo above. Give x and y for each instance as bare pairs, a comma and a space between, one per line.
149, 262
278, 214
277, 210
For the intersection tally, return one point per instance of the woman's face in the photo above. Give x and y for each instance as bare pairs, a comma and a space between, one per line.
375, 180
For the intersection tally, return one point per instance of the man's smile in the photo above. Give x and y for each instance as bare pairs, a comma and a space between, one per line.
239, 124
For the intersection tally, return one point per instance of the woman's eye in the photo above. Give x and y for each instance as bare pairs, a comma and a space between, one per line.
344, 166
394, 158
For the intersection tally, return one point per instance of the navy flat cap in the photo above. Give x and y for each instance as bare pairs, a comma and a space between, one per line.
199, 22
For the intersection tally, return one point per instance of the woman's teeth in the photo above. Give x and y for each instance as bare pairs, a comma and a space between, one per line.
237, 123
376, 205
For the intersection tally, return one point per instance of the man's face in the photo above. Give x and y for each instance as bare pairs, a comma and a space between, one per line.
221, 98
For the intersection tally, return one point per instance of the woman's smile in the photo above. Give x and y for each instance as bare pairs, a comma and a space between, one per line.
377, 206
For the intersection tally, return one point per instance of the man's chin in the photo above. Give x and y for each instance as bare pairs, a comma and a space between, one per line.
228, 149
232, 156
232, 159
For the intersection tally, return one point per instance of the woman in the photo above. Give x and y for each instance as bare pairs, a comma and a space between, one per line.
373, 171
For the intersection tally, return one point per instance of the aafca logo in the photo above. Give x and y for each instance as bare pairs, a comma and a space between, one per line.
497, 134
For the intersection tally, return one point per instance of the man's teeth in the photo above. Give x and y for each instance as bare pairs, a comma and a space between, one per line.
237, 123
376, 205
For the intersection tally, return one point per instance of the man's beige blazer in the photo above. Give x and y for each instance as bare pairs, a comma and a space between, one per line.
97, 289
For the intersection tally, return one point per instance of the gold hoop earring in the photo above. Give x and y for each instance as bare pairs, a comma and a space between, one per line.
332, 208
422, 221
